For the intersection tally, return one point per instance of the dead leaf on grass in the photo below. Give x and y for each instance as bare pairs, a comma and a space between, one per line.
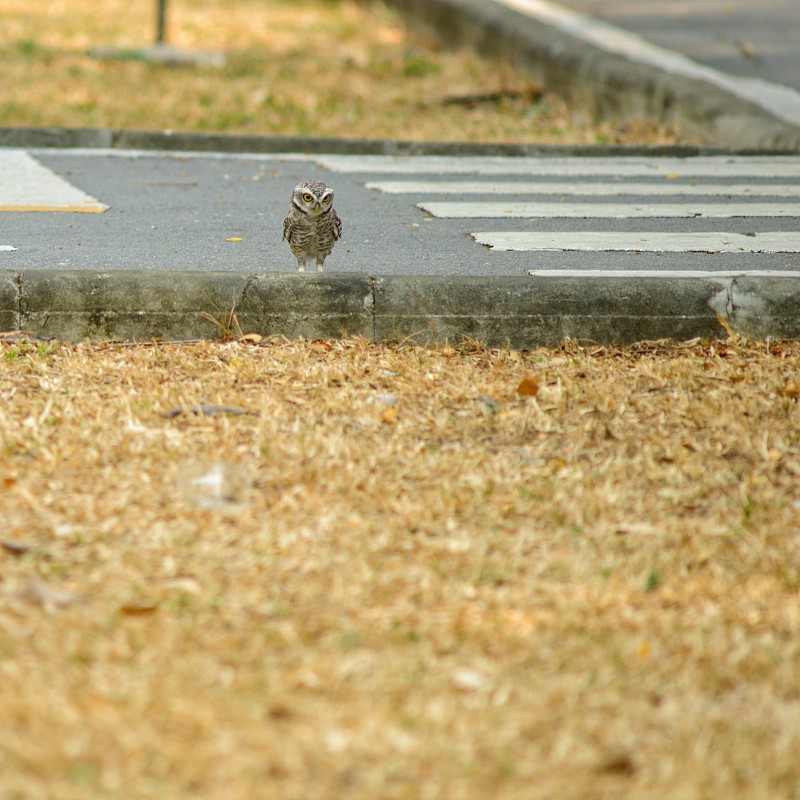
725, 324
139, 607
528, 386
17, 548
620, 763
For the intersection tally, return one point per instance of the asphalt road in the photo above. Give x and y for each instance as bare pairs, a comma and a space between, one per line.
424, 215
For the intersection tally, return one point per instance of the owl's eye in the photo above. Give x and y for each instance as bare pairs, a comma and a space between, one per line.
308, 197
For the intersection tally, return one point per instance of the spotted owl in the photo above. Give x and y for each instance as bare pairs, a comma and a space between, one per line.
312, 225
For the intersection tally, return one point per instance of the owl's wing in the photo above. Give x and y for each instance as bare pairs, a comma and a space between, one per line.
337, 226
286, 224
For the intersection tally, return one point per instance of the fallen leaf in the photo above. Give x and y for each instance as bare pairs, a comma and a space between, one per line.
234, 239
20, 548
253, 338
388, 415
619, 763
725, 324
139, 607
528, 386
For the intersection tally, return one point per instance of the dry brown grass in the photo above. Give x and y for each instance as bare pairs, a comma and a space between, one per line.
314, 67
431, 586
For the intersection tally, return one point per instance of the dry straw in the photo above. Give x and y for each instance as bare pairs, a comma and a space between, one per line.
438, 573
315, 67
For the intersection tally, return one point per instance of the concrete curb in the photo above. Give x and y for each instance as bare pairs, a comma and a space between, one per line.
519, 311
194, 142
612, 85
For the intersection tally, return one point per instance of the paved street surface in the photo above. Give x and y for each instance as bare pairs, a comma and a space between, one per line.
424, 215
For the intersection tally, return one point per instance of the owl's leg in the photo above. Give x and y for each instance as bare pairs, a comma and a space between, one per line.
320, 262
301, 263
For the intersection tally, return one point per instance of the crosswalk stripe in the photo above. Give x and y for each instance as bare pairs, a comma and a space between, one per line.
657, 242
488, 210
692, 274
613, 166
599, 189
27, 185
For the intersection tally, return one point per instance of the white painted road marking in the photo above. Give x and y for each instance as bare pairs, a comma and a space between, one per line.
692, 274
495, 210
659, 242
658, 178
600, 189
26, 185
613, 166
6, 248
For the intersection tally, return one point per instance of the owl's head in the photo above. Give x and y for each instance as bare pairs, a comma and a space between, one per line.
312, 197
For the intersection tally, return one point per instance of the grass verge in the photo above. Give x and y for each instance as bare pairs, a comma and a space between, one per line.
317, 67
438, 573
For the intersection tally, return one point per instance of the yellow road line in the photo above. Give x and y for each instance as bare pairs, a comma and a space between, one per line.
69, 209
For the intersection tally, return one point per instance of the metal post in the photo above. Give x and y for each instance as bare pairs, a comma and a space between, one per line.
161, 21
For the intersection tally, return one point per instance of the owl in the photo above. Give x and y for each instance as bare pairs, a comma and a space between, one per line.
312, 225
